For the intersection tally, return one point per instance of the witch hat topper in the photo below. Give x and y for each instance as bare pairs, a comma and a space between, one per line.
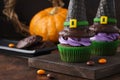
76, 24
76, 16
106, 12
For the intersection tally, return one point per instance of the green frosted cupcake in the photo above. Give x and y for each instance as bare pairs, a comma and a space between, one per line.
74, 54
74, 39
105, 40
104, 48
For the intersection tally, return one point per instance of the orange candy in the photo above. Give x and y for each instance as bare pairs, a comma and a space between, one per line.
40, 71
11, 45
102, 61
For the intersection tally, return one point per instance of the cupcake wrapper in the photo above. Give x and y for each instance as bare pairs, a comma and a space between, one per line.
74, 54
104, 48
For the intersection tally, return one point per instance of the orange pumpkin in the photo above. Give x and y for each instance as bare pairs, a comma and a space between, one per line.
48, 23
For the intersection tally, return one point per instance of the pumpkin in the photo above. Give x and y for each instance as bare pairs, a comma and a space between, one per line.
48, 23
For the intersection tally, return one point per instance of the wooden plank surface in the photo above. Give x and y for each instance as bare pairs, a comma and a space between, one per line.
52, 62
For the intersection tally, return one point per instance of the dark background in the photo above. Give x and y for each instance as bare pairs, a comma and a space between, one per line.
26, 9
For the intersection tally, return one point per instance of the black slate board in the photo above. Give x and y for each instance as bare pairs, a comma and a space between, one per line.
52, 62
22, 52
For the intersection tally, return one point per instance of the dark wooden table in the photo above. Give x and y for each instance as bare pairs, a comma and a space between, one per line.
16, 68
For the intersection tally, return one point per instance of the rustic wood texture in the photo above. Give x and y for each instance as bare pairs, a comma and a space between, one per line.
52, 62
16, 68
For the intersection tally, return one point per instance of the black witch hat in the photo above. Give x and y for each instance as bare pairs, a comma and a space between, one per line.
105, 20
76, 11
106, 12
76, 23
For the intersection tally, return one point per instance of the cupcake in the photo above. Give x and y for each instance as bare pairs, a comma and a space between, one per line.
74, 38
105, 40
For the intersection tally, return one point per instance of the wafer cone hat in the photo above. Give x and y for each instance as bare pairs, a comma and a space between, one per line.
76, 24
76, 14
105, 20
106, 12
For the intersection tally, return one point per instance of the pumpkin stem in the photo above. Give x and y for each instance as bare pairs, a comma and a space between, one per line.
54, 11
56, 4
